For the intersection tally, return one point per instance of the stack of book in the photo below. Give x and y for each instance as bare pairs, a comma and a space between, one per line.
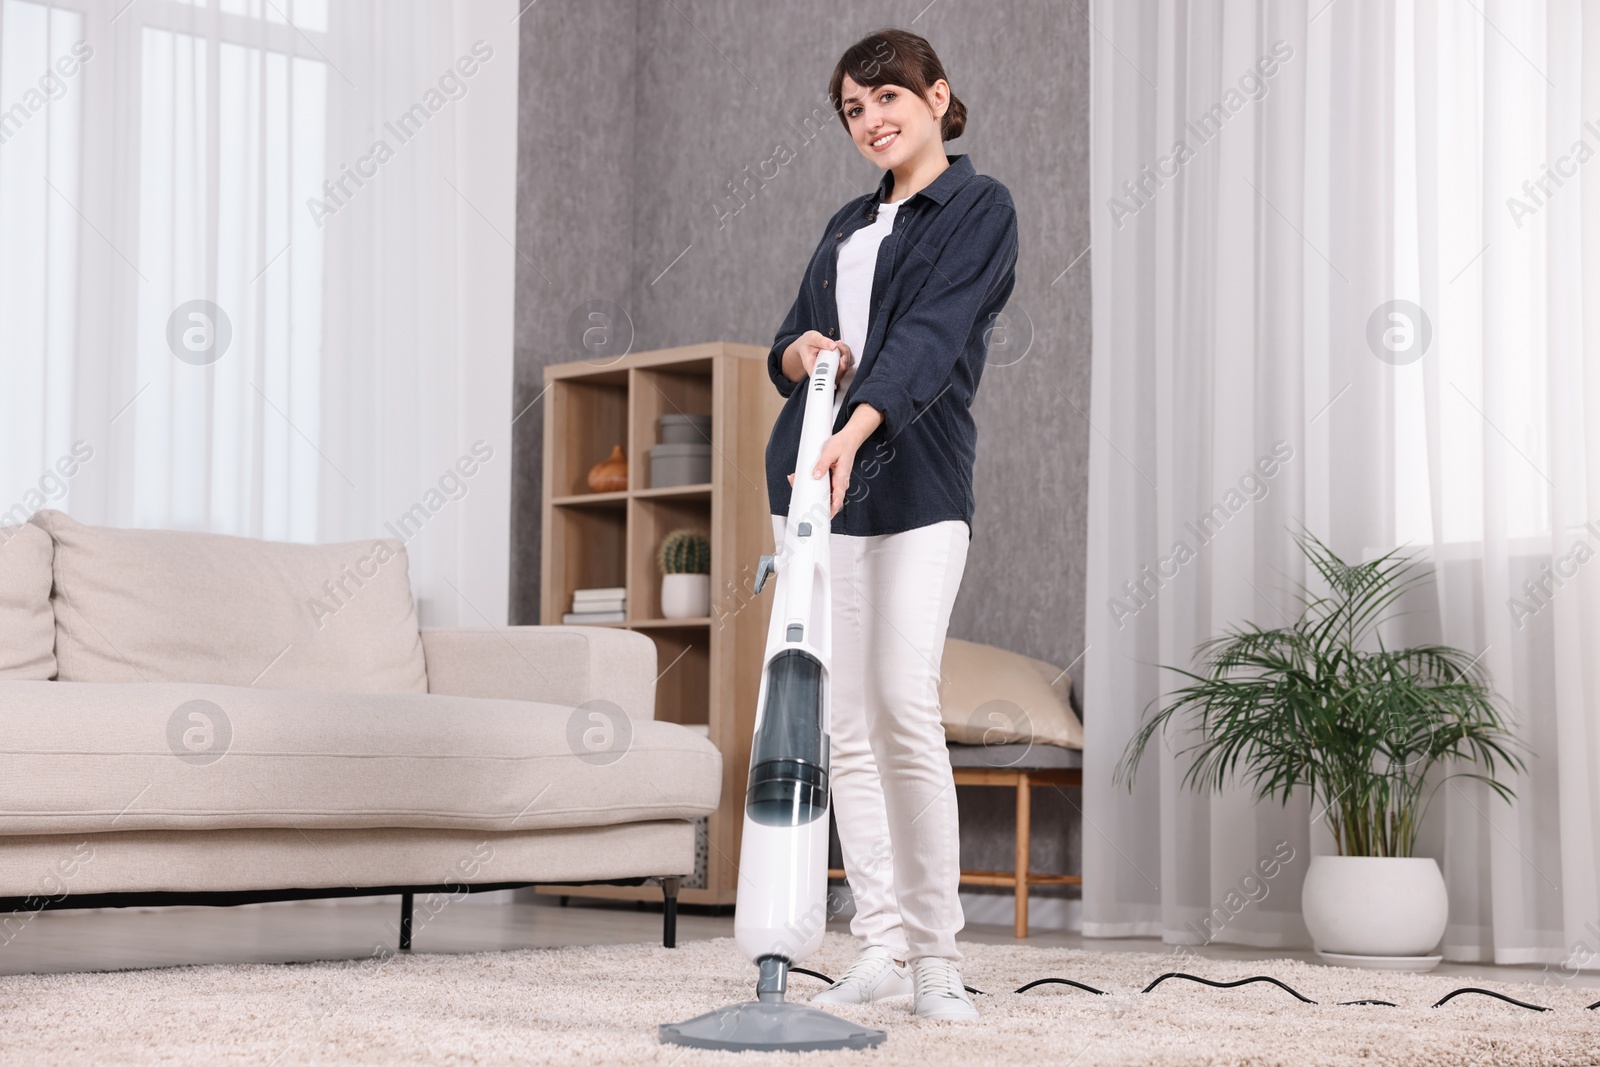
597, 605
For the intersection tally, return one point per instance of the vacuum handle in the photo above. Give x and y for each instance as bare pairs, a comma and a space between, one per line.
812, 495
809, 510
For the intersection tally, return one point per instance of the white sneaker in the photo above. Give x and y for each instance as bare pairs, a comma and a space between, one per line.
939, 991
872, 977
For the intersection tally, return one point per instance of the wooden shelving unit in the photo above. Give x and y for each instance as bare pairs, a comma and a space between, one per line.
711, 666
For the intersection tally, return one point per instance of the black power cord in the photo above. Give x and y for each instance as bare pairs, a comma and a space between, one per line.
1228, 985
1061, 981
1300, 996
1441, 1002
1490, 993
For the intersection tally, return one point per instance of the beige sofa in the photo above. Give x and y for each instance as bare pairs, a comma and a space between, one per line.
192, 713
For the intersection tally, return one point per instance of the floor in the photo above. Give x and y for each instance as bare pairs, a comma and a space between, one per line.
65, 941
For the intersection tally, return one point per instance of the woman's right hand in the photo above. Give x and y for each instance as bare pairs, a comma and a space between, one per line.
801, 356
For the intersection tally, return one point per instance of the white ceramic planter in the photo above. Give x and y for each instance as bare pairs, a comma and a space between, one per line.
685, 596
1374, 906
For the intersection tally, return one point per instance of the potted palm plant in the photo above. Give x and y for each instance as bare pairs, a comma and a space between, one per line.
1323, 704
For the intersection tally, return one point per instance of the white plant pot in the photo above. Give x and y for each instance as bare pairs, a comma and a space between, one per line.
1374, 905
685, 596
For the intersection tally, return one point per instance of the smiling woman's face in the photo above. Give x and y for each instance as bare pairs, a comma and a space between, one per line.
905, 122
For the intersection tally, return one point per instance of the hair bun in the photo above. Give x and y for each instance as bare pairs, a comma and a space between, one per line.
955, 119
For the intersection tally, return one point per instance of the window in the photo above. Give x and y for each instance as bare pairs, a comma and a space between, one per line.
181, 158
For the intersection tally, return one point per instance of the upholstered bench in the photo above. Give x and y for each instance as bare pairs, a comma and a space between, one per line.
1021, 767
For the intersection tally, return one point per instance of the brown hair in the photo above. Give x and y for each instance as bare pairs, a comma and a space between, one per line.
896, 57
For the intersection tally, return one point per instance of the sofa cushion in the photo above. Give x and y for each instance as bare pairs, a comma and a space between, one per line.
78, 758
557, 664
172, 606
989, 696
27, 626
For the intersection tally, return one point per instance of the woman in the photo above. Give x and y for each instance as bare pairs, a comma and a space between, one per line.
904, 285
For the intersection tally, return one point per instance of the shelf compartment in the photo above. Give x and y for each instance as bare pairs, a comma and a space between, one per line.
685, 389
590, 547
683, 659
588, 418
650, 520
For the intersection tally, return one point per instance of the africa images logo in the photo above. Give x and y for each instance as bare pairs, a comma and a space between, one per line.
199, 332
199, 732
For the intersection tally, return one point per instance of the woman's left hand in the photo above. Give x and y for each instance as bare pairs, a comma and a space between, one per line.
837, 458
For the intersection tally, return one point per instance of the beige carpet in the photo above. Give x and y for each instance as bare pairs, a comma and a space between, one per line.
601, 1006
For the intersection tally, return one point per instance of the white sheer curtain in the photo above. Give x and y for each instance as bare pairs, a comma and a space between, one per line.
1337, 158
255, 272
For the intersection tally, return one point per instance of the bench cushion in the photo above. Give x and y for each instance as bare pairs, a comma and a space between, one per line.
174, 606
27, 625
990, 696
88, 758
1016, 757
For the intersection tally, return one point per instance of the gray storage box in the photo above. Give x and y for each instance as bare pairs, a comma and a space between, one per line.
679, 465
685, 429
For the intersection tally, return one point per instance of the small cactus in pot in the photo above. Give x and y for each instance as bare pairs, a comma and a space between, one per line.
685, 552
685, 560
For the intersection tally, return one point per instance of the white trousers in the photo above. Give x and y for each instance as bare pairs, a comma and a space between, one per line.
894, 797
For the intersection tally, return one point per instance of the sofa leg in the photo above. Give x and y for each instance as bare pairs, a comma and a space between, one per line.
405, 922
669, 913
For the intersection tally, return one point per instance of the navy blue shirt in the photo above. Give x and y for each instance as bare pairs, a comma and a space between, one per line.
942, 275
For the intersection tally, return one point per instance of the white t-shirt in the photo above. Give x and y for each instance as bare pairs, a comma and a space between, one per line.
858, 260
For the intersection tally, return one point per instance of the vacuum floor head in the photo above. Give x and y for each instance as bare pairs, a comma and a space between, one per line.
762, 1027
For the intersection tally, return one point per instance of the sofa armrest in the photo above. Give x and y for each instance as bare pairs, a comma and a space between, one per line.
565, 665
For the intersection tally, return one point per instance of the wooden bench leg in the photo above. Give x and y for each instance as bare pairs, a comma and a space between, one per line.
1024, 837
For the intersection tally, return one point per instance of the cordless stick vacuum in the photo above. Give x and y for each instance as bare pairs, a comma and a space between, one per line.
782, 908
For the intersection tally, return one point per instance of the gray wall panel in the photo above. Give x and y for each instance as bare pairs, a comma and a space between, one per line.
576, 137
